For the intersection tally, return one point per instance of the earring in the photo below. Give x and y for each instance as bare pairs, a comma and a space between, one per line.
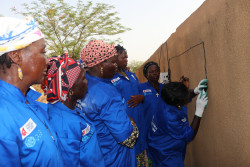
102, 71
19, 71
71, 93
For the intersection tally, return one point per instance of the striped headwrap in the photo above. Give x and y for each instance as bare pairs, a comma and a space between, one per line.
62, 74
96, 52
17, 34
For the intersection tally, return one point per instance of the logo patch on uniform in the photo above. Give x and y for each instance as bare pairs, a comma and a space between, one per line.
86, 130
147, 90
184, 119
30, 141
27, 128
115, 80
38, 135
87, 133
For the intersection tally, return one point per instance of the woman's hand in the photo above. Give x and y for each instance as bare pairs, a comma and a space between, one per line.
135, 100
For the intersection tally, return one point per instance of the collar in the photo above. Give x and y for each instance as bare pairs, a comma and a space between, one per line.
62, 107
11, 91
97, 79
126, 72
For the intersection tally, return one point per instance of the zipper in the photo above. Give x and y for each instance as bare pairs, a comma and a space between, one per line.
41, 121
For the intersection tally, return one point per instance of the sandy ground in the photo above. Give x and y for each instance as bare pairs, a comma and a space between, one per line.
42, 98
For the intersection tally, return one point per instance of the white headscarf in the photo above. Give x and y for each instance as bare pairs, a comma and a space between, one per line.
16, 34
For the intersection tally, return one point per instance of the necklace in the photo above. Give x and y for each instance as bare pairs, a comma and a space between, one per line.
157, 94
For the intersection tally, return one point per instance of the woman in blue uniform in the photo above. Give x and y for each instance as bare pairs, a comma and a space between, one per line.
77, 139
103, 105
152, 95
127, 85
26, 138
151, 91
170, 130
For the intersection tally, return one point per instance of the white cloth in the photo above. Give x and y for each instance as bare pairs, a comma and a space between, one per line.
16, 34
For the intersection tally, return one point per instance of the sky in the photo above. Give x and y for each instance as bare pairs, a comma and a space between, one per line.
151, 21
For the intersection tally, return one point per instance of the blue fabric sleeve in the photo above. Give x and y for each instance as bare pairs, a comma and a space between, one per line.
32, 94
9, 153
140, 87
116, 119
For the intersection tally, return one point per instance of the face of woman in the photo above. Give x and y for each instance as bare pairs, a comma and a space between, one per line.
122, 60
80, 87
153, 73
109, 67
34, 62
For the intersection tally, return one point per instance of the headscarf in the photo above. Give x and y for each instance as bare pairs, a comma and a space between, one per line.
16, 34
62, 74
147, 65
96, 52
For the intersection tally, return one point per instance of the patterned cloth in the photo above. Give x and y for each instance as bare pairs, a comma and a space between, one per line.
16, 34
96, 52
62, 74
130, 142
141, 160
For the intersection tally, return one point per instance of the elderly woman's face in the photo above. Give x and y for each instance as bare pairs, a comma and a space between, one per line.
109, 67
34, 62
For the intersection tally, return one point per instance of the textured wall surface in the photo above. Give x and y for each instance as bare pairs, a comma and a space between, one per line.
223, 139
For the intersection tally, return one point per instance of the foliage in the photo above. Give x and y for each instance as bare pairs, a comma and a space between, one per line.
68, 28
134, 65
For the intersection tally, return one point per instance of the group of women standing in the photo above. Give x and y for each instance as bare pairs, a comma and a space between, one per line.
97, 113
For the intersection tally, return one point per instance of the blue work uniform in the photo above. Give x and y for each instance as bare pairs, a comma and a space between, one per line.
26, 139
77, 138
129, 86
169, 135
103, 106
151, 102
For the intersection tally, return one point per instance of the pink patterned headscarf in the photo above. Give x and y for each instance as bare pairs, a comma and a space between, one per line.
96, 52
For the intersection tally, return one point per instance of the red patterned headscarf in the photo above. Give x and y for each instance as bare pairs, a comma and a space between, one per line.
61, 76
96, 52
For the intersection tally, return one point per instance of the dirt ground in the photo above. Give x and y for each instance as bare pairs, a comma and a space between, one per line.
42, 98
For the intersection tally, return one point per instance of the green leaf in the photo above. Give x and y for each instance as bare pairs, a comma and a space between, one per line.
69, 28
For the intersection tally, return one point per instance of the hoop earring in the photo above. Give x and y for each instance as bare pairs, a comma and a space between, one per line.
102, 71
71, 93
20, 73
